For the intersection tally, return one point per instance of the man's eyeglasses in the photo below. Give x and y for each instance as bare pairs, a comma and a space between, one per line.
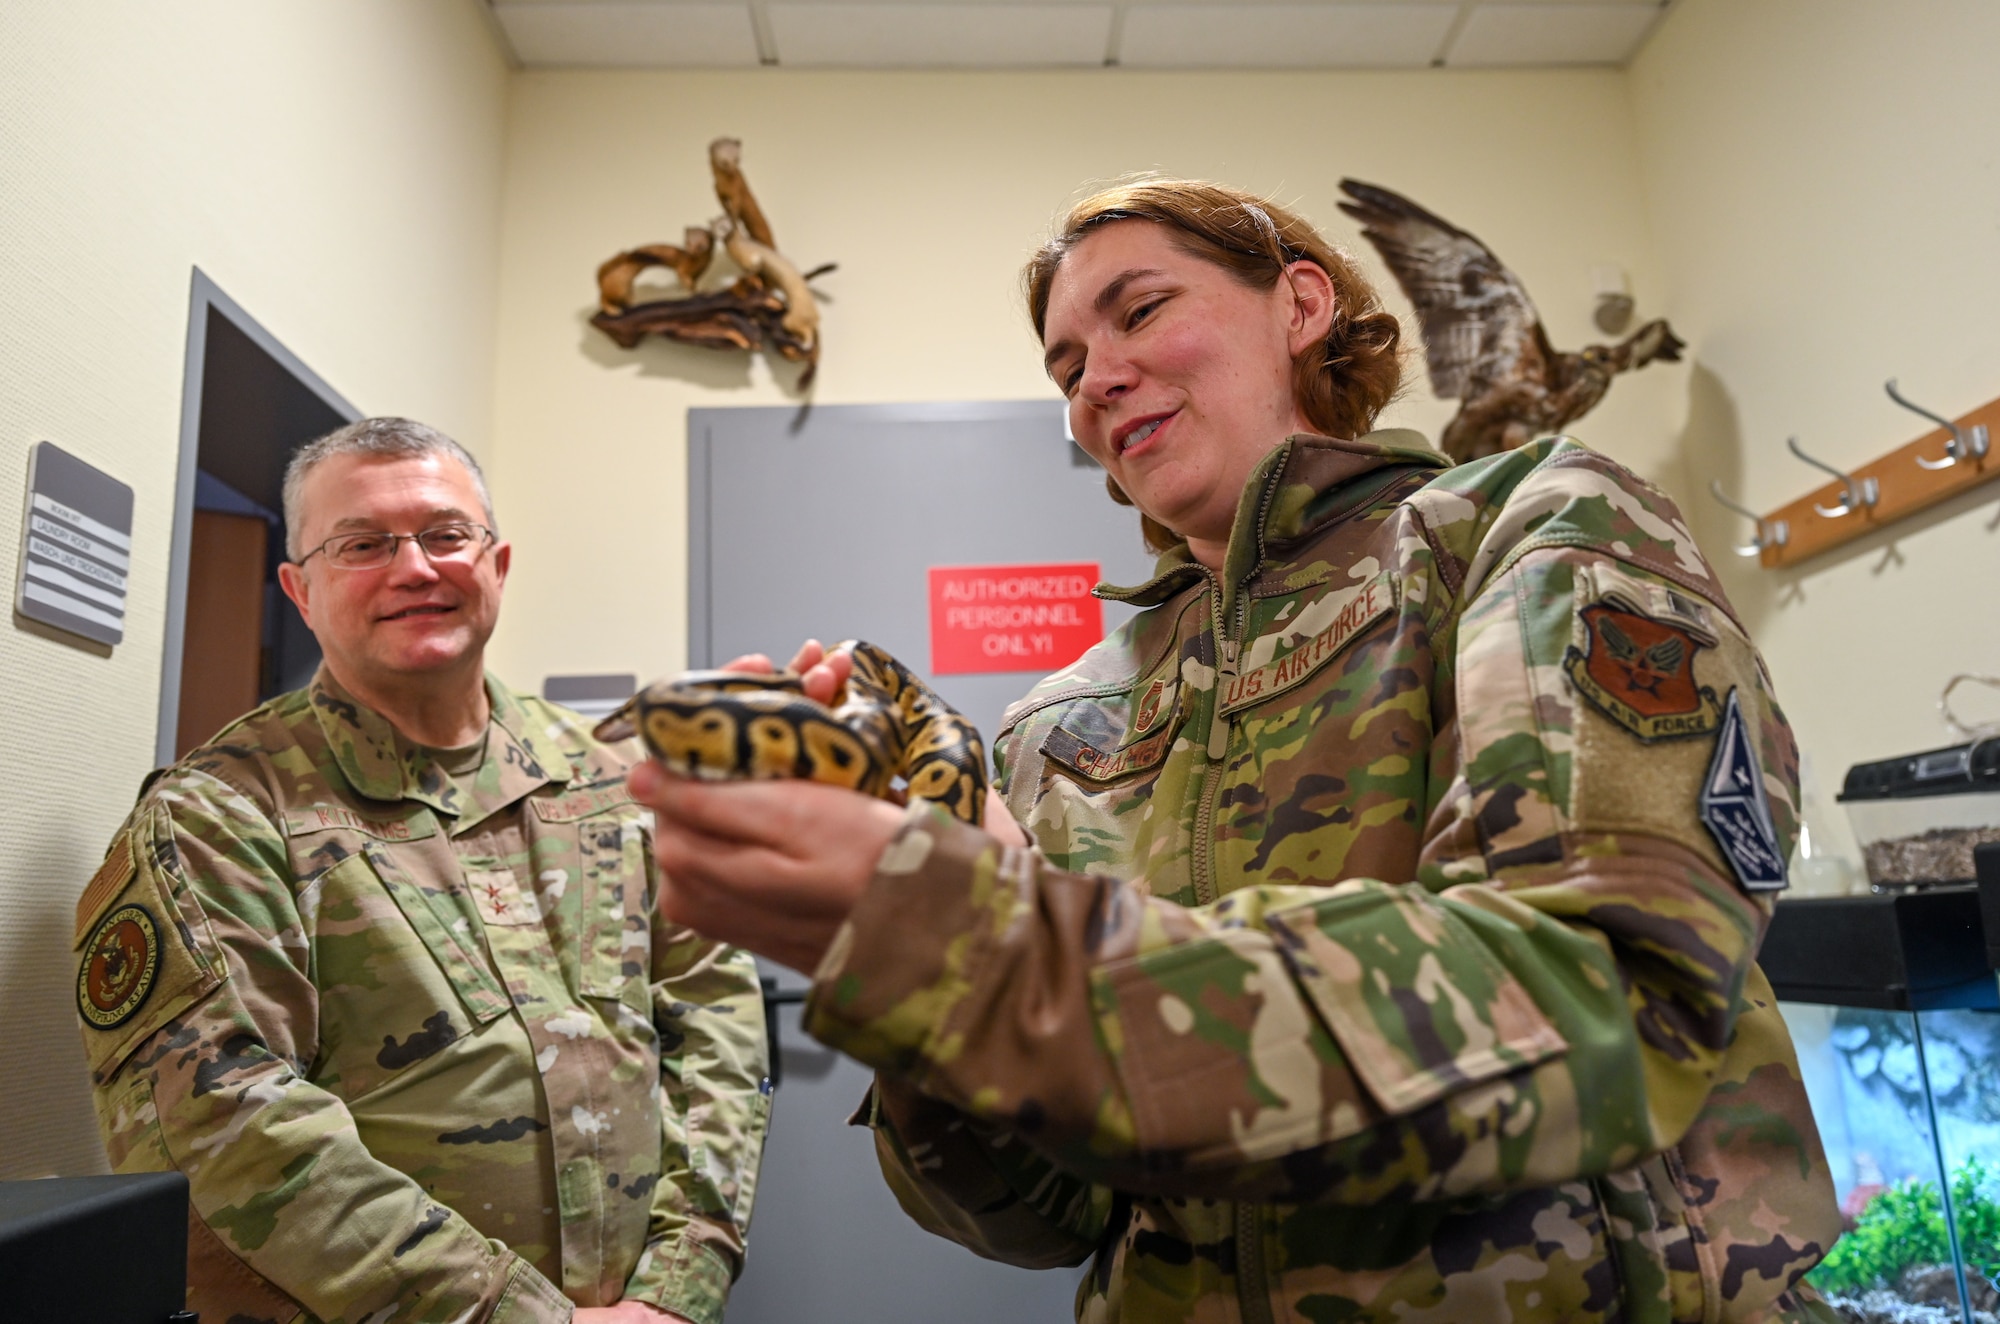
366, 551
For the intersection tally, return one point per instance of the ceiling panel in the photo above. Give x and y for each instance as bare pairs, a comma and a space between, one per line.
1532, 34
1261, 36
585, 33
936, 36
1244, 34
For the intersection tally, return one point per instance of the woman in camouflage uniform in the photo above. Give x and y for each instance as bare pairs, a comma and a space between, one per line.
1385, 949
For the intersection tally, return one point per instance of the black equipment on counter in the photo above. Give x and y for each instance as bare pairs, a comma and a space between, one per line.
1901, 951
1919, 817
111, 1250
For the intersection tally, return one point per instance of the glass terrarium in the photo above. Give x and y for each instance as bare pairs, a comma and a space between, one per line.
1903, 1099
1894, 1006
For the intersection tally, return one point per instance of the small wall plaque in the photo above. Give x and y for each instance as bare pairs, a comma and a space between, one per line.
76, 546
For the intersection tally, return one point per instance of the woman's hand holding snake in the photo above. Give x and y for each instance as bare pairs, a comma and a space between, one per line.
776, 865
773, 866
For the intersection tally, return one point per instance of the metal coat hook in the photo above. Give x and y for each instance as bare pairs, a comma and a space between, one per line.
1855, 494
1965, 444
1770, 533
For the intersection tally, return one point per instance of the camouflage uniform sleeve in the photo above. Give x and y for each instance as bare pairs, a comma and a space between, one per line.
289, 1208
1552, 999
714, 1105
977, 1183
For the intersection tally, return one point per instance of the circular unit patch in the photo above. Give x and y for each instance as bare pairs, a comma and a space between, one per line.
119, 965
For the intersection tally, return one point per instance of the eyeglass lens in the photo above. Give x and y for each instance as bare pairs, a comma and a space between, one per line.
444, 542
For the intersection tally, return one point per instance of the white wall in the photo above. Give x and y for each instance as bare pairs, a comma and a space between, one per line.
335, 166
929, 190
1823, 179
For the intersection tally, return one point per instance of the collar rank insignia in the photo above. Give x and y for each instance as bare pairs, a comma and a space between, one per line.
1639, 672
1735, 809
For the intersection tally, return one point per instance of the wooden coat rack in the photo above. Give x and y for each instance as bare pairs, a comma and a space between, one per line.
1954, 457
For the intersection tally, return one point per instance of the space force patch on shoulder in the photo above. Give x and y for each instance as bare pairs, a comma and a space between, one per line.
119, 965
1736, 810
1639, 672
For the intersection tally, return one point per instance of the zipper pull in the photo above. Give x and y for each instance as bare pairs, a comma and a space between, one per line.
1218, 725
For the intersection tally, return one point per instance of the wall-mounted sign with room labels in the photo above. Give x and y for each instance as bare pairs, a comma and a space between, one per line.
76, 546
1012, 617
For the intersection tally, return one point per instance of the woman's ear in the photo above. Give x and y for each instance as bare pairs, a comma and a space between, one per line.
1312, 305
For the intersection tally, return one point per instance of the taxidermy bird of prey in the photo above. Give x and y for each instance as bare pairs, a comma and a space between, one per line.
1482, 337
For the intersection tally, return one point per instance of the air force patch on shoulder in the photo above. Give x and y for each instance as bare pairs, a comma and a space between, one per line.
1735, 809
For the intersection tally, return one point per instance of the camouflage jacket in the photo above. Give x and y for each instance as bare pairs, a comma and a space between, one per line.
1388, 950
421, 1046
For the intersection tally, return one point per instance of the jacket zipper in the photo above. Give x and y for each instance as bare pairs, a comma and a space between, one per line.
1203, 870
1253, 1290
1227, 642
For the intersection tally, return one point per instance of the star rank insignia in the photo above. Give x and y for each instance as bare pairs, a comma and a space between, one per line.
1639, 672
501, 899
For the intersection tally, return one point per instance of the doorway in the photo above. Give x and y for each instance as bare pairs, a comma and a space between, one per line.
828, 522
233, 640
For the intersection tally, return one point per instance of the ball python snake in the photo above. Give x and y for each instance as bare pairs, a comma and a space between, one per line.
884, 725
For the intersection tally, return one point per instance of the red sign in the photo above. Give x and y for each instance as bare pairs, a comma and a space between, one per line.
1012, 617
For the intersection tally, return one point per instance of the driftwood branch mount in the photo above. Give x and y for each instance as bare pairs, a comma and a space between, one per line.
770, 303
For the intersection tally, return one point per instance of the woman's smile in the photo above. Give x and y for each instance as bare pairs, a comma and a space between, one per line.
1134, 436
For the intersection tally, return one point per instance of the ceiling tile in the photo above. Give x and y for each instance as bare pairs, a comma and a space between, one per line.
573, 33
940, 36
1543, 34
1400, 36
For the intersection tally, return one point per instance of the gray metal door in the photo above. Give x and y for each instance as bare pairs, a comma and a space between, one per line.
825, 523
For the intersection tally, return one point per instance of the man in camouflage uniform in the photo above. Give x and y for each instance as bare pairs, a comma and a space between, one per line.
379, 967
1459, 800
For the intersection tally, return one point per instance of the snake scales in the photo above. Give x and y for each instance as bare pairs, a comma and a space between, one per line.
885, 724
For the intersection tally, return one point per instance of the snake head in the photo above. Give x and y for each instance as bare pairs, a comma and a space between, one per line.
621, 725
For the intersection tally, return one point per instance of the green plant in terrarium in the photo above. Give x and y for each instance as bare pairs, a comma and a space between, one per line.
1904, 1226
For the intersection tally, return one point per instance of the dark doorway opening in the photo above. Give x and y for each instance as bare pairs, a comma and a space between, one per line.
233, 640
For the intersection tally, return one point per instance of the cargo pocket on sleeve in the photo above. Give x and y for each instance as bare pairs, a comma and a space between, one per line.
1418, 1005
1218, 1063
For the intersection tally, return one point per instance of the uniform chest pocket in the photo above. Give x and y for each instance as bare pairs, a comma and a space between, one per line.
603, 855
1093, 806
398, 970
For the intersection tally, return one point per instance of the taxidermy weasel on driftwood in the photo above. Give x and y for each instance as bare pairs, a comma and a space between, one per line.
770, 303
1482, 337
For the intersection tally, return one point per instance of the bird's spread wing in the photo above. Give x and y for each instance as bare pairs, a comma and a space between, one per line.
1479, 323
1617, 641
1665, 655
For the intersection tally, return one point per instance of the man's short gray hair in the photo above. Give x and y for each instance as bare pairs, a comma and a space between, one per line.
395, 437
